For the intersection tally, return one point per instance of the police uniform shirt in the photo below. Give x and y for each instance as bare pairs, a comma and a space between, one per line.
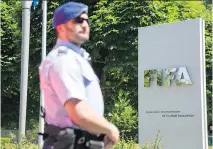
66, 74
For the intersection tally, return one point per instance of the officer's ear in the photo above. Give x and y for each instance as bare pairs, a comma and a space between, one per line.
60, 28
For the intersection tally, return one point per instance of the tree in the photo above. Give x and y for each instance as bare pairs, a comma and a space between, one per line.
11, 41
114, 44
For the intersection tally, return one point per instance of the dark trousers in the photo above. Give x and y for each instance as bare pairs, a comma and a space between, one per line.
70, 138
46, 146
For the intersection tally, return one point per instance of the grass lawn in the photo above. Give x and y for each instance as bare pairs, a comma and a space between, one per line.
210, 147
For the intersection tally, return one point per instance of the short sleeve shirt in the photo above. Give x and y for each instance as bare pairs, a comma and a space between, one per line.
65, 75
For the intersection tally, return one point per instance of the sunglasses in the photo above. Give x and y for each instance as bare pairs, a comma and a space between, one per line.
81, 20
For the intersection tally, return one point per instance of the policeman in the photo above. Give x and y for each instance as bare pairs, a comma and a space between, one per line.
73, 99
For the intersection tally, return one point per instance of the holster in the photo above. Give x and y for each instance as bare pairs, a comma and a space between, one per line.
70, 138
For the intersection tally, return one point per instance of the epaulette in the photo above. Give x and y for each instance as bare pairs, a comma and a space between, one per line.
87, 56
62, 50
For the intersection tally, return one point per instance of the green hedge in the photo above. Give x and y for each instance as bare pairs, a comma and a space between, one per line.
29, 142
4, 140
130, 144
121, 145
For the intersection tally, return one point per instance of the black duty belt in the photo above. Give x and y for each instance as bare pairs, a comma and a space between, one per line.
70, 138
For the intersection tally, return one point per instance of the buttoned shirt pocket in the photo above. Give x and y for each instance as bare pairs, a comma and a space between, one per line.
88, 74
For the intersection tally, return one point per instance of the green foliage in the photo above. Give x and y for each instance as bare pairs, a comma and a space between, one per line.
4, 141
28, 142
10, 60
124, 116
130, 144
11, 39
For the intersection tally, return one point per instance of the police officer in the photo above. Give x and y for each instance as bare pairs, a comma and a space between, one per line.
72, 94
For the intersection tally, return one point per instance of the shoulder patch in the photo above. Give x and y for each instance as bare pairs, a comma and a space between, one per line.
62, 50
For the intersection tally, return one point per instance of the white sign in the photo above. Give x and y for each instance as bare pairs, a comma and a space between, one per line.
172, 89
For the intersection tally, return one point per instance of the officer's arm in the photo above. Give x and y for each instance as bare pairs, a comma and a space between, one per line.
66, 79
85, 117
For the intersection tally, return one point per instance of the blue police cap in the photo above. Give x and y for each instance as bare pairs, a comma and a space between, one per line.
68, 11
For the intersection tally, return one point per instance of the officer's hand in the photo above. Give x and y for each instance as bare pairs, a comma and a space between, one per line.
108, 144
113, 134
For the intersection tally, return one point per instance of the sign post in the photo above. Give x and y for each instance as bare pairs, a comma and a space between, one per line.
172, 85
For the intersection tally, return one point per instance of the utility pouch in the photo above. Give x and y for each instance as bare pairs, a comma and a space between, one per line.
95, 144
70, 138
65, 139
